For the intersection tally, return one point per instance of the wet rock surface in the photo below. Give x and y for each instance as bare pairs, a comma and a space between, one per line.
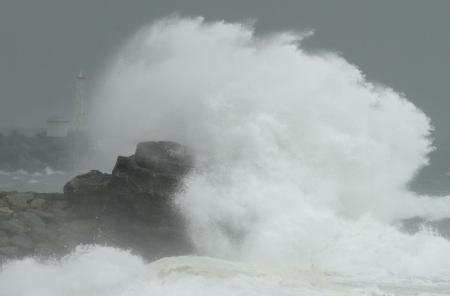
26, 222
129, 208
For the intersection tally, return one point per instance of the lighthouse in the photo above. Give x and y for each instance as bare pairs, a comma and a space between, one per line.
79, 123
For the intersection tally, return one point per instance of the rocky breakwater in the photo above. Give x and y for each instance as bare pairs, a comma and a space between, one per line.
129, 208
30, 223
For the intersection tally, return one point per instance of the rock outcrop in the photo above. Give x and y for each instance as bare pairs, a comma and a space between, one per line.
32, 223
129, 208
140, 185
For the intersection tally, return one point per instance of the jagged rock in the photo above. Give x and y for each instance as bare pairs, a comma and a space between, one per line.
92, 182
156, 167
163, 157
148, 178
13, 226
138, 192
129, 208
76, 232
43, 234
44, 249
38, 203
60, 204
3, 203
19, 200
140, 184
5, 213
45, 216
4, 240
10, 251
22, 241
31, 219
60, 215
88, 191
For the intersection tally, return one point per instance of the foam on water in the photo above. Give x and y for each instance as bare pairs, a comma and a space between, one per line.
300, 163
48, 180
111, 272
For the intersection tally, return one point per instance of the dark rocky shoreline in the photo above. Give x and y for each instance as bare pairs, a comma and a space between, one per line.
129, 208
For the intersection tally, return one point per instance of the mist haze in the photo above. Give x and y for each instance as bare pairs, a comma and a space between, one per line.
402, 44
248, 148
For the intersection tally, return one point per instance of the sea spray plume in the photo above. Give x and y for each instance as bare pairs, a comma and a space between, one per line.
298, 158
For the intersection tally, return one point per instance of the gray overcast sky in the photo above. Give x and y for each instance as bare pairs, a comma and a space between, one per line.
43, 44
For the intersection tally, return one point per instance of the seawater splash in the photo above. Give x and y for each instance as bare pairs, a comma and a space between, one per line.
111, 272
299, 159
301, 171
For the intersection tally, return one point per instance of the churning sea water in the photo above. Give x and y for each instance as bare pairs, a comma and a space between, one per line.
46, 181
99, 271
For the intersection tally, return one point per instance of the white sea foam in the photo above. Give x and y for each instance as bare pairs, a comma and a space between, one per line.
111, 272
299, 159
300, 163
48, 180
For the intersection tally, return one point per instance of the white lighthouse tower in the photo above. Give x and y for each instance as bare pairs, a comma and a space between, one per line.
79, 123
80, 141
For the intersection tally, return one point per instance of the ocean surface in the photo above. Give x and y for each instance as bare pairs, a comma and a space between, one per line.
46, 181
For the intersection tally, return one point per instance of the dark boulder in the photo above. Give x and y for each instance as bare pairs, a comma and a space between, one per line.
144, 182
129, 208
89, 191
93, 181
133, 204
167, 158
